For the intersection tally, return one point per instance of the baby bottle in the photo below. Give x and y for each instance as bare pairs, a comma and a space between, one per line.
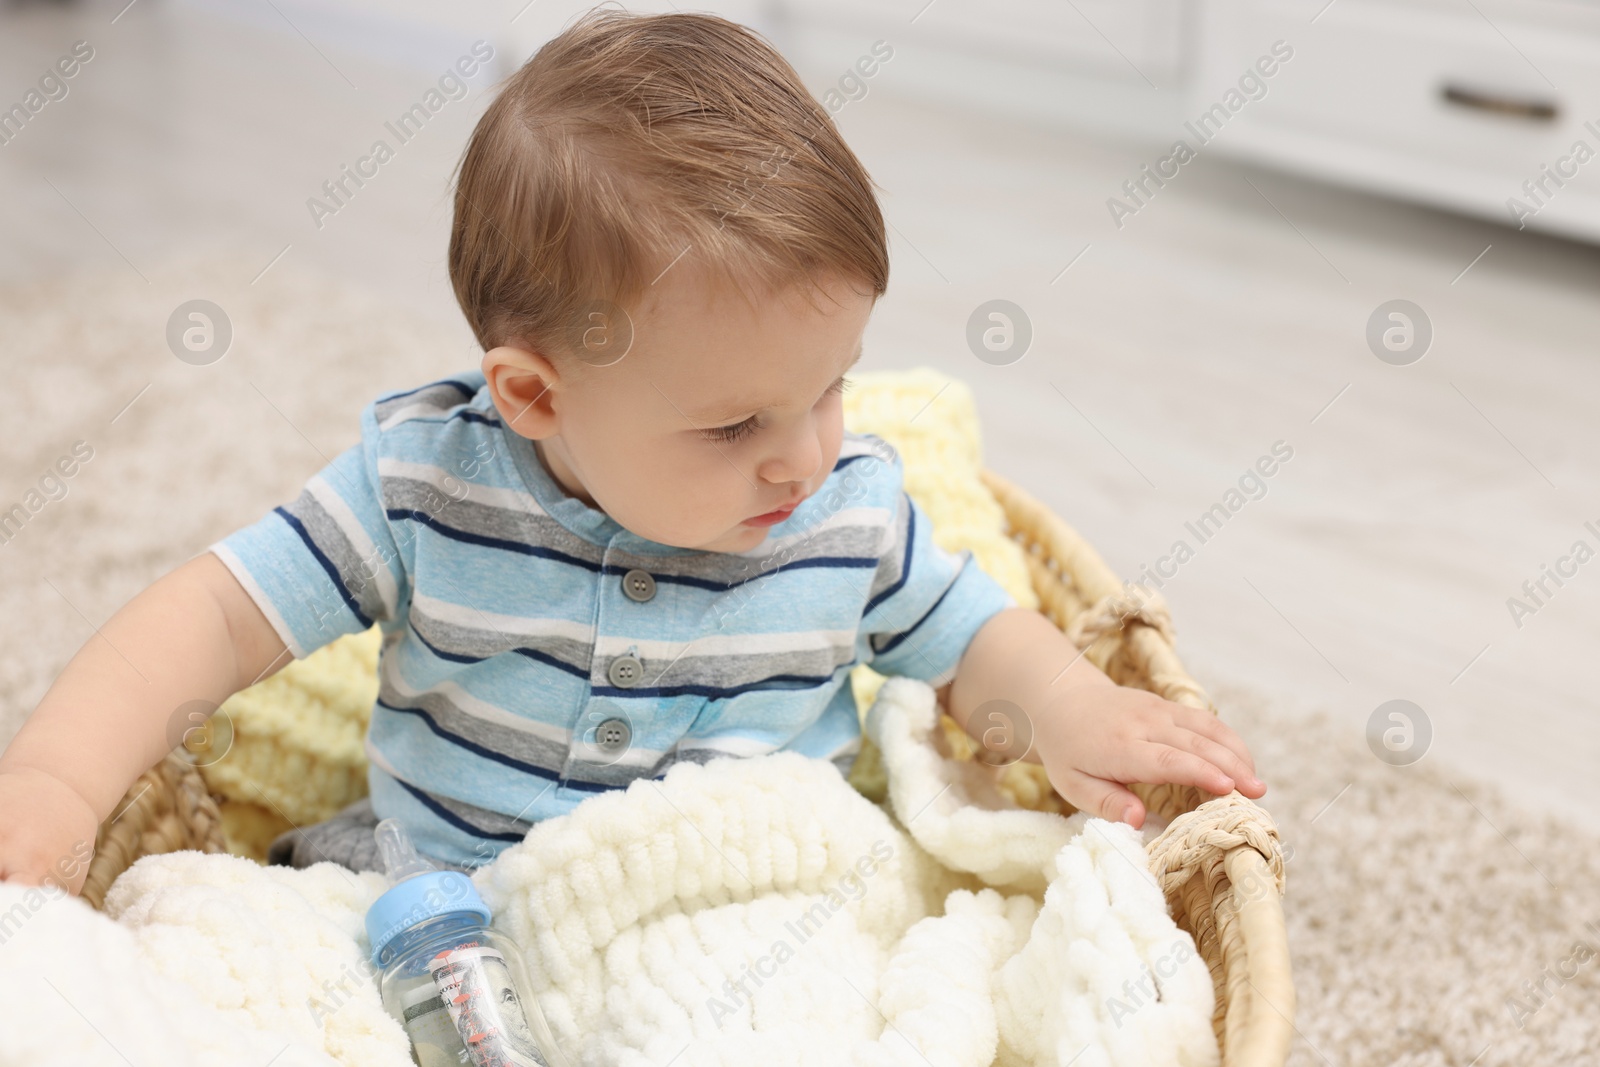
456, 984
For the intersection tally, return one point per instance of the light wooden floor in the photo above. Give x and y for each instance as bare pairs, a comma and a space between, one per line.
1227, 315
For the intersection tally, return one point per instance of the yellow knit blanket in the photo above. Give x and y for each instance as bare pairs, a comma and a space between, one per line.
296, 751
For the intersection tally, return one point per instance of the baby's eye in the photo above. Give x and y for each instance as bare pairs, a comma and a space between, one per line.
753, 423
731, 433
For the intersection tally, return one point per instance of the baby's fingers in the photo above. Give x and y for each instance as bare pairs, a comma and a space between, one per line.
1156, 762
1208, 725
1219, 756
1107, 800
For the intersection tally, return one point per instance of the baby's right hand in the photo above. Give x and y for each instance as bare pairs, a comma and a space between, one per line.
47, 830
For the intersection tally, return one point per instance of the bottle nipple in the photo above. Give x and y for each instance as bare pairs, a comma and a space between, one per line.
400, 858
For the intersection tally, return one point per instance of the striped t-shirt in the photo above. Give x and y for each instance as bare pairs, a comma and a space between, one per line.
535, 652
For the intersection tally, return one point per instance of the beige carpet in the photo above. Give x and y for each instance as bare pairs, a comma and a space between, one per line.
1422, 909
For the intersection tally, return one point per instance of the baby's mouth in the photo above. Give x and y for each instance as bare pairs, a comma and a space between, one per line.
771, 518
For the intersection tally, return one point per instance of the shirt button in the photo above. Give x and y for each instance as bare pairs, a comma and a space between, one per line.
625, 672
639, 585
612, 736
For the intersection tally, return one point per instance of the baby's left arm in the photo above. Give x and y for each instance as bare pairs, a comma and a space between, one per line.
1091, 735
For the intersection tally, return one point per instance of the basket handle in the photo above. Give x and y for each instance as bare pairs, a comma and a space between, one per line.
1221, 869
1261, 999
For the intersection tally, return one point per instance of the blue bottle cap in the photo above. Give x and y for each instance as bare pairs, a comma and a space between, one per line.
417, 899
417, 892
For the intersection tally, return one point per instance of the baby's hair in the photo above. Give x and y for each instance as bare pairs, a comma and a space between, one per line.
633, 144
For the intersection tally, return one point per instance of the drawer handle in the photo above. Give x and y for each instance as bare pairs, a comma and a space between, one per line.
1514, 107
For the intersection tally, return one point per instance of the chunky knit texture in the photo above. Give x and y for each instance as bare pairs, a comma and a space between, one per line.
741, 911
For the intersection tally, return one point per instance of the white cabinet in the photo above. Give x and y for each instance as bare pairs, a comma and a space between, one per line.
1493, 109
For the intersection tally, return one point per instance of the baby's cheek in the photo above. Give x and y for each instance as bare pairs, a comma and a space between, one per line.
686, 502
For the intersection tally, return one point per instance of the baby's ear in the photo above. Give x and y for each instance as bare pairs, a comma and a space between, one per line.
522, 384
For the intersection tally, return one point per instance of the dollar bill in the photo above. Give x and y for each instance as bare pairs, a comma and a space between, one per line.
475, 985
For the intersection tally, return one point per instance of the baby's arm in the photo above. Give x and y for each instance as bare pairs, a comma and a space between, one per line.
118, 708
1091, 734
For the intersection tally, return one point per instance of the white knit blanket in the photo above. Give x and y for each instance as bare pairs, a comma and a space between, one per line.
747, 911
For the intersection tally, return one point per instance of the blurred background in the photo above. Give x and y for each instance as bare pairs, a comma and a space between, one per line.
1358, 231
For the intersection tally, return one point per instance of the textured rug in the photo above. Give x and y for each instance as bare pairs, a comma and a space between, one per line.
1432, 924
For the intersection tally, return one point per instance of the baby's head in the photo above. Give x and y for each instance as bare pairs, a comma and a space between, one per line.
669, 256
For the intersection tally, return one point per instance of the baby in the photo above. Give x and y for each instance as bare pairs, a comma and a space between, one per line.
639, 533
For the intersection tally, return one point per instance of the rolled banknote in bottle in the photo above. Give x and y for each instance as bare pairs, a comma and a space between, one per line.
475, 984
449, 977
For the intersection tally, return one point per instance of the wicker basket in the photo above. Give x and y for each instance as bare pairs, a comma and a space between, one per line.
166, 810
1218, 862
